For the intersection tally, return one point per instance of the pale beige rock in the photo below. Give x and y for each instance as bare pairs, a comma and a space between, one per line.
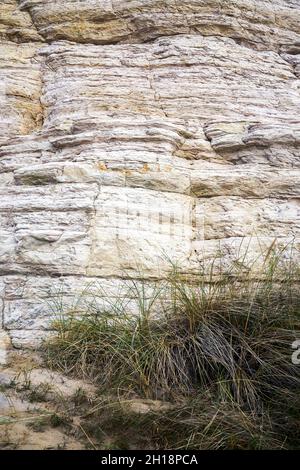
226, 217
132, 133
5, 344
16, 25
267, 24
252, 182
275, 143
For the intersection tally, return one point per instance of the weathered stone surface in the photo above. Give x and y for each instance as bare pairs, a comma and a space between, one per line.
5, 344
266, 23
235, 217
135, 132
15, 24
20, 90
252, 182
275, 144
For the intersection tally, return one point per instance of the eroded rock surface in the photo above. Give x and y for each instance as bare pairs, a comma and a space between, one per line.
135, 132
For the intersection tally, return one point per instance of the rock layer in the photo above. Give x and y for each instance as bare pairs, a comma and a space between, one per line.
135, 132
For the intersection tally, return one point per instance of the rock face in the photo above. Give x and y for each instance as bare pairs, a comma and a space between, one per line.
135, 132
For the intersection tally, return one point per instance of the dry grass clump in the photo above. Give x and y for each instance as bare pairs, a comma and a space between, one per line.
219, 350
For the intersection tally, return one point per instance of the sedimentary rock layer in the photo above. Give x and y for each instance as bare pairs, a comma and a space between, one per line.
268, 23
138, 132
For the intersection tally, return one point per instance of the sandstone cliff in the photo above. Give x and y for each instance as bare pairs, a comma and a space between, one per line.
137, 130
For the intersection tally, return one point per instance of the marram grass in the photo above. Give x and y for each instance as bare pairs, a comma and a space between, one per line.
219, 350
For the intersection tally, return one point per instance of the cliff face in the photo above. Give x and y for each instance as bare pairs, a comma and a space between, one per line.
133, 131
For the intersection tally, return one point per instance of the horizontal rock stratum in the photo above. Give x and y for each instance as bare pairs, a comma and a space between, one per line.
138, 132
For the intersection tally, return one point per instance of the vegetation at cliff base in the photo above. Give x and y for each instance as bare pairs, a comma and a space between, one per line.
211, 356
